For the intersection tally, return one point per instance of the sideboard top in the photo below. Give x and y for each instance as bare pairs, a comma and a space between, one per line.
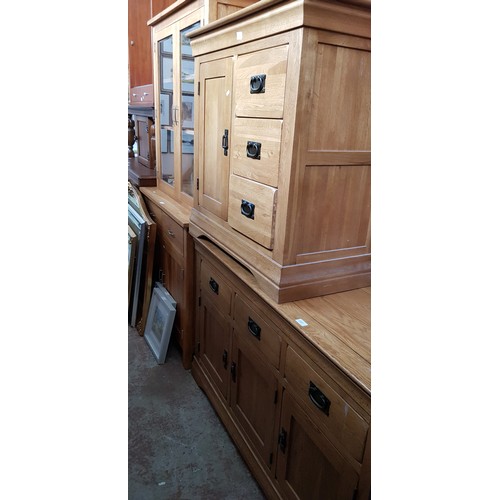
338, 325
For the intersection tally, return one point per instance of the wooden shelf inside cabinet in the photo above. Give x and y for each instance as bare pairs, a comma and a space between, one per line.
173, 264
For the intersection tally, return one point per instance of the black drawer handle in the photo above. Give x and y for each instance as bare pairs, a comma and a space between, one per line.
319, 399
224, 359
247, 209
233, 371
214, 286
258, 84
253, 150
253, 328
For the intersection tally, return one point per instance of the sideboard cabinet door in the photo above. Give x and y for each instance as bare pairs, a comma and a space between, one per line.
308, 465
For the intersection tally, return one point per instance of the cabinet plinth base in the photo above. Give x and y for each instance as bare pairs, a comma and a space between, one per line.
284, 283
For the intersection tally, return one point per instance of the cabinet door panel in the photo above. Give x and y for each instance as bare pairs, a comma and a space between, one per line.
308, 466
172, 278
215, 112
214, 345
254, 398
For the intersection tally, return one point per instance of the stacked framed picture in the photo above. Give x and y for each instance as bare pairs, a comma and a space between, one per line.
143, 228
159, 323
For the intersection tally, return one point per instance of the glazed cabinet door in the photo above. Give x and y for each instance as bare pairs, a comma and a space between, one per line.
174, 88
215, 79
254, 398
308, 465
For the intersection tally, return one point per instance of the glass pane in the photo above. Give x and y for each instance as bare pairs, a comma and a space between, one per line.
167, 66
166, 163
187, 110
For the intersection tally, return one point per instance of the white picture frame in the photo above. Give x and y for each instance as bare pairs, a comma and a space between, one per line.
159, 325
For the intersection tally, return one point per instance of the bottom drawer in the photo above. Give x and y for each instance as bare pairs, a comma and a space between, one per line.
341, 423
252, 208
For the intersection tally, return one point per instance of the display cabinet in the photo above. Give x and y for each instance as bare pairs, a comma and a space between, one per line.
170, 201
291, 382
283, 144
174, 88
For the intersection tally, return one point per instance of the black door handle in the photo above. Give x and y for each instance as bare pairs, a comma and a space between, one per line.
225, 141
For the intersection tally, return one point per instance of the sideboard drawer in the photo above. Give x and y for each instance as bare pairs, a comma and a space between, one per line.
340, 422
252, 326
215, 288
259, 81
252, 209
173, 234
256, 147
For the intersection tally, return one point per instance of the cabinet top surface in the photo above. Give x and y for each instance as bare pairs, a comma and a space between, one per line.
171, 9
338, 325
175, 210
281, 7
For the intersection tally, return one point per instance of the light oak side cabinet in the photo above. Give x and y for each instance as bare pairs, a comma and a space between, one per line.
290, 382
283, 141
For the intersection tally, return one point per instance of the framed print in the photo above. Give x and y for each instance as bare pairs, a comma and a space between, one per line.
159, 325
132, 243
165, 293
139, 227
187, 111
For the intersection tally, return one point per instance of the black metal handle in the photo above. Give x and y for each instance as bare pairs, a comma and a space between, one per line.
319, 399
247, 209
257, 84
253, 328
225, 141
282, 440
214, 285
224, 359
253, 150
233, 371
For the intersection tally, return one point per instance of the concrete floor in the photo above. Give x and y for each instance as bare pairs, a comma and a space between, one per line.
178, 448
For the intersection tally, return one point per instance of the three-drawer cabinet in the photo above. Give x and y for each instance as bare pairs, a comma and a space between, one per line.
291, 382
283, 143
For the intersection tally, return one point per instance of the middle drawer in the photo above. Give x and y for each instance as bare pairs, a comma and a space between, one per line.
256, 148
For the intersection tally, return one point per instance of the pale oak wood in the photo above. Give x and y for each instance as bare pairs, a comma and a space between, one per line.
336, 443
320, 229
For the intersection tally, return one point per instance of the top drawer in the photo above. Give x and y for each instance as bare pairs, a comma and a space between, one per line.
260, 79
169, 232
173, 234
341, 424
215, 288
252, 326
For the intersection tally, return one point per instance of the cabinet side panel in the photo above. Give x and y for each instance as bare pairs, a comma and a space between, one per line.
340, 107
339, 219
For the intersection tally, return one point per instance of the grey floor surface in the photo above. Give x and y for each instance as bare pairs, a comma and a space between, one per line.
178, 448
